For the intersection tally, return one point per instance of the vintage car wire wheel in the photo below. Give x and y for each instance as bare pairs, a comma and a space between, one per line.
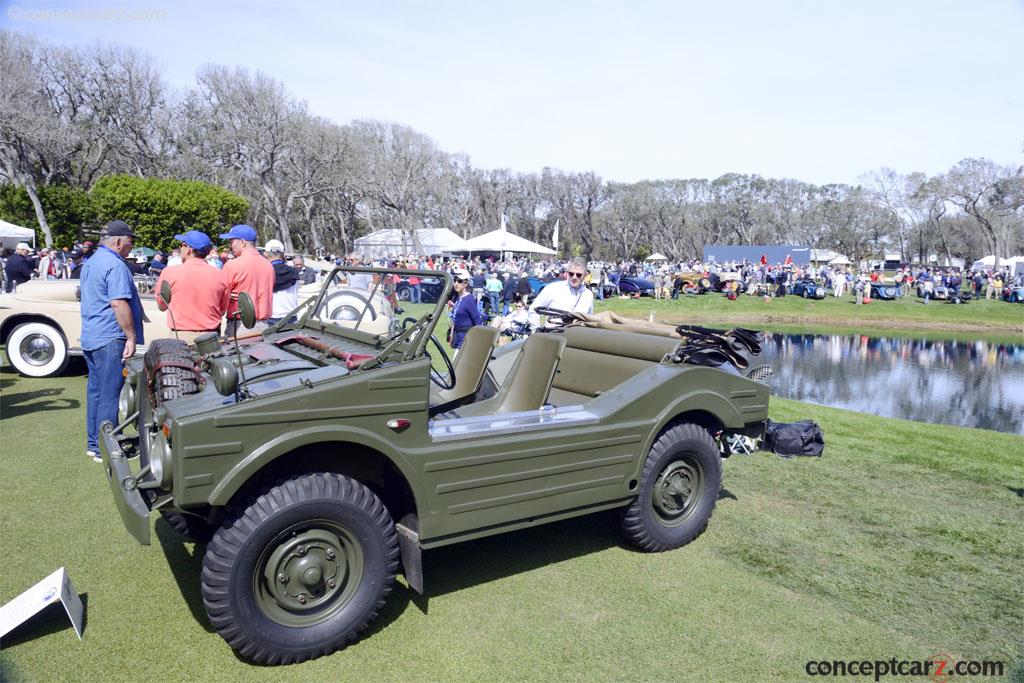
37, 349
404, 293
300, 570
677, 490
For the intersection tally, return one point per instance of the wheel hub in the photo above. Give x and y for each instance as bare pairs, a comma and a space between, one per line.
307, 571
676, 491
37, 349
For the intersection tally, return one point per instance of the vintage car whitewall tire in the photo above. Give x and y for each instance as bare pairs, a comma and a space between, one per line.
37, 349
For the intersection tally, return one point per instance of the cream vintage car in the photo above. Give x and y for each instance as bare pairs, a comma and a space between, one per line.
41, 324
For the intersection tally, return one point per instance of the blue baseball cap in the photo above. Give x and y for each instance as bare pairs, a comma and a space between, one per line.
195, 239
240, 232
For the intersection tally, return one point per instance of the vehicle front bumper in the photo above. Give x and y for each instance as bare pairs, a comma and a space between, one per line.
124, 485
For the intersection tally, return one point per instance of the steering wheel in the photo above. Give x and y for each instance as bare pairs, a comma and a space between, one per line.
435, 376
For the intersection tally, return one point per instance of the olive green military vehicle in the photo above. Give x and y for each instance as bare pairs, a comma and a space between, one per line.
317, 461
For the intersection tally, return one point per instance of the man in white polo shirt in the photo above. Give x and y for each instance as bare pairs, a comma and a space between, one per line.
569, 294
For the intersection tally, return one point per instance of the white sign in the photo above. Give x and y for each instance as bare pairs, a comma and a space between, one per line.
56, 586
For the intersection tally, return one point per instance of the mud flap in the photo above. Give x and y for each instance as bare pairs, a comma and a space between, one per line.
409, 546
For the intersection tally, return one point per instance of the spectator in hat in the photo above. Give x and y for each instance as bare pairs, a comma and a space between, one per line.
19, 266
111, 326
199, 293
286, 282
248, 272
465, 312
157, 264
75, 262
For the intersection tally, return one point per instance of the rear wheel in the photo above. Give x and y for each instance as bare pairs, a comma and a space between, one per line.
37, 349
678, 490
301, 569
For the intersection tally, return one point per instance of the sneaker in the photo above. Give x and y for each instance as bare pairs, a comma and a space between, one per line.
94, 455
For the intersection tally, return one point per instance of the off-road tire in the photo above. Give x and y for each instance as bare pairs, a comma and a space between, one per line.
684, 453
191, 527
317, 522
170, 382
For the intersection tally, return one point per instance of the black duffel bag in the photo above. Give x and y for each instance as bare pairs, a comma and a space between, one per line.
793, 438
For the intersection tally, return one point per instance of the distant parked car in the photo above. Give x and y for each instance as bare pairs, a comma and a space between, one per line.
430, 289
629, 284
938, 292
1013, 294
886, 291
809, 289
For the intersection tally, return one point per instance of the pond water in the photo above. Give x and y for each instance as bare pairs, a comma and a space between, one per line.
969, 384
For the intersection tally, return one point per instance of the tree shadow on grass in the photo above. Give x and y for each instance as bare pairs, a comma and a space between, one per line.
25, 402
52, 619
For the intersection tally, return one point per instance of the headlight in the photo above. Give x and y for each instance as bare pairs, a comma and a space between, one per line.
160, 459
127, 402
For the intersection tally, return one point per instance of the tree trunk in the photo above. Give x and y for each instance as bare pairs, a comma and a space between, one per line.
30, 187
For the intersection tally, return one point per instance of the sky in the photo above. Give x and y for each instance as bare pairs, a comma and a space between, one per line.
822, 91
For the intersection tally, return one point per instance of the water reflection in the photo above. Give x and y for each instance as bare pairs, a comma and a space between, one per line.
975, 384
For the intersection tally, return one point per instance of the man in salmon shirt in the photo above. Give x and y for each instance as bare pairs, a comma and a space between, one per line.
248, 272
199, 293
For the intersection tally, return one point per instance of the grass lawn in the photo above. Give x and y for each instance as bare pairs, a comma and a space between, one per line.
904, 541
994, 320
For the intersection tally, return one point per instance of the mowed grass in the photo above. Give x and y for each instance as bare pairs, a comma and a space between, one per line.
905, 540
907, 316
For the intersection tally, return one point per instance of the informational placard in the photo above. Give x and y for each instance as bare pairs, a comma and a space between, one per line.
56, 586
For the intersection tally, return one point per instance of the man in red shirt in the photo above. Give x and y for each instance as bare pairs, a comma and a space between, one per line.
248, 272
199, 292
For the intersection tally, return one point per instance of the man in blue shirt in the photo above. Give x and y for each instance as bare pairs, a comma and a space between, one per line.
111, 326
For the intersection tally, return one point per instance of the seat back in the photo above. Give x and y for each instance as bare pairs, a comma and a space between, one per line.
529, 382
470, 364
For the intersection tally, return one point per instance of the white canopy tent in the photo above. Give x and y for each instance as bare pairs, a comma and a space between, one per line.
839, 261
988, 262
504, 241
11, 234
394, 242
657, 256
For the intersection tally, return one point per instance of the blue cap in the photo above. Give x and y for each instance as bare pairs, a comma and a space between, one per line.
241, 232
195, 239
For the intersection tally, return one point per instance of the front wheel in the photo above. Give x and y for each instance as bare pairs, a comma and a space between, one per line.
301, 569
678, 490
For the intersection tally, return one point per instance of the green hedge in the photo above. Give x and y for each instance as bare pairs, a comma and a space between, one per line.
157, 209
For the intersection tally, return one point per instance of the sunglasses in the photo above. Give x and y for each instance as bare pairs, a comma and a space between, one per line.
575, 274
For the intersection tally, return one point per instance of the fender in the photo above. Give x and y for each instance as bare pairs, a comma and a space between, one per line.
285, 443
702, 399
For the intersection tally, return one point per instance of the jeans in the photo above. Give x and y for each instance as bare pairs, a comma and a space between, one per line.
495, 301
416, 294
102, 389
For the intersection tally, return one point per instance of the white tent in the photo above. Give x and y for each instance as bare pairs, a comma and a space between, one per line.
656, 256
394, 242
839, 261
11, 234
502, 241
987, 262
